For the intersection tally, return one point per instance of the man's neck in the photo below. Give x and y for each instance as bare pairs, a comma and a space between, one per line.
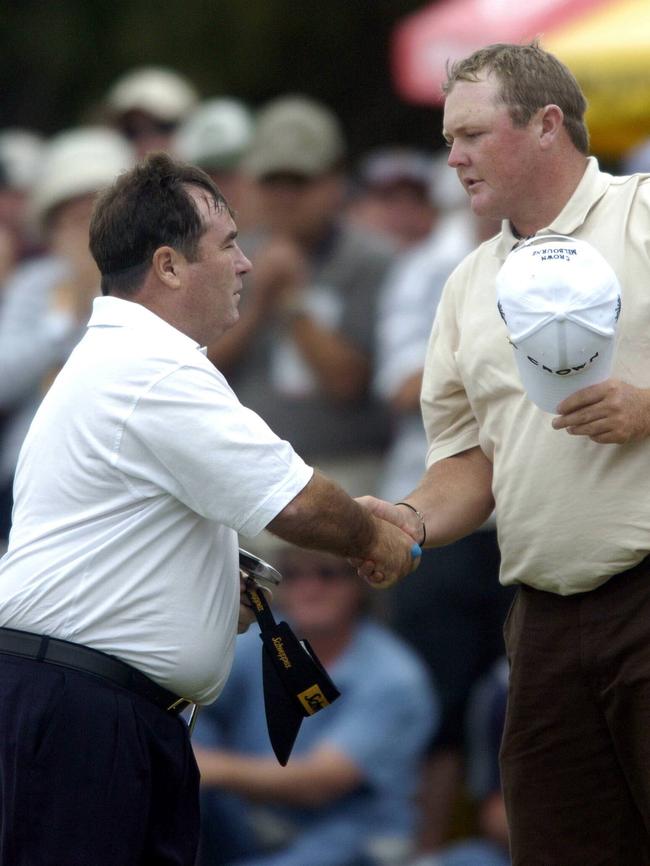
557, 189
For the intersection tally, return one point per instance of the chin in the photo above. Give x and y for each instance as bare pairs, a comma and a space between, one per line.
229, 321
486, 209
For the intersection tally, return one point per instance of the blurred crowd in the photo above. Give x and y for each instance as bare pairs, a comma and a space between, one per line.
349, 259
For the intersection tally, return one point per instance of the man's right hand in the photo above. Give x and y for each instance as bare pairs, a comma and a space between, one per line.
400, 516
323, 517
390, 558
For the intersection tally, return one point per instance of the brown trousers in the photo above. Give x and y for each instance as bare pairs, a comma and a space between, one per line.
575, 758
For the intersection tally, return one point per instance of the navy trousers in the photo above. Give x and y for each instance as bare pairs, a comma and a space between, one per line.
91, 773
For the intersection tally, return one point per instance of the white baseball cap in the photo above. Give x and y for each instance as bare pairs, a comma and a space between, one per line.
560, 301
215, 134
161, 92
77, 162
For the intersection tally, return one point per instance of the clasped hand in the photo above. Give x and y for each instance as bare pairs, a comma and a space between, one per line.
391, 558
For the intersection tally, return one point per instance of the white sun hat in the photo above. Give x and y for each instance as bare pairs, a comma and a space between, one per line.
560, 300
78, 162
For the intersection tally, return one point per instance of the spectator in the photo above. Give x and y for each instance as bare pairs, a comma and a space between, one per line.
215, 136
345, 796
393, 195
20, 156
302, 353
48, 299
20, 152
452, 609
485, 719
147, 104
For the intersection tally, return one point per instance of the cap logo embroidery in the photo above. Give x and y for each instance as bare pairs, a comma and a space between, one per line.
566, 371
549, 253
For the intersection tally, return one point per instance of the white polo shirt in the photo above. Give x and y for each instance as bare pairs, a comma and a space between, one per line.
139, 469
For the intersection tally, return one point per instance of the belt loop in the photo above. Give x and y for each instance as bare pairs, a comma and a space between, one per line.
42, 648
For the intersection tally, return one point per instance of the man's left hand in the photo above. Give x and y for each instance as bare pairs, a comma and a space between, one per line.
246, 613
611, 412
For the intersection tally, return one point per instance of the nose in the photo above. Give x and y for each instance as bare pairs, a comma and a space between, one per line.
456, 156
244, 265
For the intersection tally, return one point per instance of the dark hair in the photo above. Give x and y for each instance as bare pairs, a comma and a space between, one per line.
144, 209
529, 79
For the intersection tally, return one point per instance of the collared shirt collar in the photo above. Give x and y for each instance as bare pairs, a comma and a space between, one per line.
111, 312
592, 187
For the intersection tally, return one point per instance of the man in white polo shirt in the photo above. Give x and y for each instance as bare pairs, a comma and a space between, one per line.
120, 595
570, 481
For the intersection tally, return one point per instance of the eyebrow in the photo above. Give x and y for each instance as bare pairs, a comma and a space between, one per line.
463, 129
459, 130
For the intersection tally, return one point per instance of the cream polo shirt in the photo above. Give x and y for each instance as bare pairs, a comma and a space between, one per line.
570, 512
139, 469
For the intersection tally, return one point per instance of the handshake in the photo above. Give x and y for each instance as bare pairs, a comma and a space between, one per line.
396, 552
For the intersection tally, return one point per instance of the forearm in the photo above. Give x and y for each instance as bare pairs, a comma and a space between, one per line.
454, 497
324, 517
262, 779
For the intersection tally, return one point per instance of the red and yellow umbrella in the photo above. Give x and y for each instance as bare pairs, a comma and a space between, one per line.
606, 44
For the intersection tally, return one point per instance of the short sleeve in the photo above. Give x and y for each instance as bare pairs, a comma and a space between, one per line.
189, 435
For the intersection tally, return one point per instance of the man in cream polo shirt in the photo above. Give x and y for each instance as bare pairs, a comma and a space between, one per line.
571, 487
120, 594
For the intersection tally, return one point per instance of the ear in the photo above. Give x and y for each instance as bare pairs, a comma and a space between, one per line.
551, 122
167, 264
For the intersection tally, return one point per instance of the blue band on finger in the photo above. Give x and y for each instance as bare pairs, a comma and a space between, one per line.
416, 551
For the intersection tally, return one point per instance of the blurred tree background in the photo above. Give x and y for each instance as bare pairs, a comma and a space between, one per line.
58, 58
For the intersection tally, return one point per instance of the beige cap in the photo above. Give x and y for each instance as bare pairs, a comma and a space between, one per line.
160, 92
297, 135
77, 162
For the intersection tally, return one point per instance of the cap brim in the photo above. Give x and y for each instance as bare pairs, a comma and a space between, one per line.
548, 390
